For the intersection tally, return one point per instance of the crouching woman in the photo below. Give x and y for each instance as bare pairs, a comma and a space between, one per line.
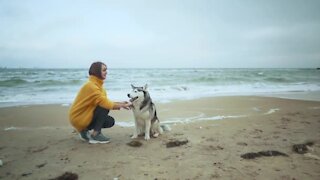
90, 109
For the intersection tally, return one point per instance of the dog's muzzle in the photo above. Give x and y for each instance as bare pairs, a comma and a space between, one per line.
132, 99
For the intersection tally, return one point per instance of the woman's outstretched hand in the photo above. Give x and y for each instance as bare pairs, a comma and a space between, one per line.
127, 105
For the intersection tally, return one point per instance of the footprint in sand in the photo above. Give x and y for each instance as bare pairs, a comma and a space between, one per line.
242, 144
285, 119
36, 150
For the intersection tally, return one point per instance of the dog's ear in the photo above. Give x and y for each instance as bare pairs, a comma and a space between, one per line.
145, 87
132, 86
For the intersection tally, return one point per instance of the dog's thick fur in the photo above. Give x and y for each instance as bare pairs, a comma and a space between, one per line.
145, 114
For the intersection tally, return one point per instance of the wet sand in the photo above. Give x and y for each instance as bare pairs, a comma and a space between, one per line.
37, 142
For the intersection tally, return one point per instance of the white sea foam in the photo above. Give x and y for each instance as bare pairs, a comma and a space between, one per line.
124, 124
314, 107
200, 117
271, 111
182, 120
256, 109
11, 128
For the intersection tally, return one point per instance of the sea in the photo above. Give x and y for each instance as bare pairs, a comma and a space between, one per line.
60, 86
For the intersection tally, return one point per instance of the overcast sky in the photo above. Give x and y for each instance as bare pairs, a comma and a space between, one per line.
160, 33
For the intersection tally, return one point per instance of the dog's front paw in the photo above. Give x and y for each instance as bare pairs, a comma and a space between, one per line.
134, 136
147, 137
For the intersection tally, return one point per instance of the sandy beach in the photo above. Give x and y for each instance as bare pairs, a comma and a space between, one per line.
37, 142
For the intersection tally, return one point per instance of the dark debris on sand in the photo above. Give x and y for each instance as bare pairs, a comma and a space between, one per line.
253, 155
134, 144
302, 148
176, 143
67, 176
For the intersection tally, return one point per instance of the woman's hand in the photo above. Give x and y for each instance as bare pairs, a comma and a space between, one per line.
123, 104
127, 105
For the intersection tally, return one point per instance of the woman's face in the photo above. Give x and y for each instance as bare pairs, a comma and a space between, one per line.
104, 72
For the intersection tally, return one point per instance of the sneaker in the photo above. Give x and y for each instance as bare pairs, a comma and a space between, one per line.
84, 135
99, 138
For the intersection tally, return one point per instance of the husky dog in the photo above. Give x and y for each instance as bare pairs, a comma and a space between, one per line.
145, 114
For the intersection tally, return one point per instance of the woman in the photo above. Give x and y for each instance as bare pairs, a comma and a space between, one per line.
90, 109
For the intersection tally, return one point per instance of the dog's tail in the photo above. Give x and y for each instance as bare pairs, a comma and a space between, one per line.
165, 127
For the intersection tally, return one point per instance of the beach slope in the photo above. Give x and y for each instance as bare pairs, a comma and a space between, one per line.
37, 142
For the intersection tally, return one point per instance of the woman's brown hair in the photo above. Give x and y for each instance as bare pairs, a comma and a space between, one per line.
95, 69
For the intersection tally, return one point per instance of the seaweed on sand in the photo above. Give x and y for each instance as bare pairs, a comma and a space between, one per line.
253, 155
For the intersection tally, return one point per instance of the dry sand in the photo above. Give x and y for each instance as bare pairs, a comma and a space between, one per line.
37, 142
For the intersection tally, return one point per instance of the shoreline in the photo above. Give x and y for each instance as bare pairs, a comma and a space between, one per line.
308, 96
46, 145
304, 96
126, 117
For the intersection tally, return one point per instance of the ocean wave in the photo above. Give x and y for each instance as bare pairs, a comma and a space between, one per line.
12, 82
61, 85
15, 82
58, 82
277, 80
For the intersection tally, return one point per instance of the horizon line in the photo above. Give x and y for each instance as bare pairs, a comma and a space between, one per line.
318, 68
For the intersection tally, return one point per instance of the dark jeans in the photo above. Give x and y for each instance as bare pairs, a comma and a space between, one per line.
101, 119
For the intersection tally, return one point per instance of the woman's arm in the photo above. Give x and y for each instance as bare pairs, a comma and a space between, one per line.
119, 105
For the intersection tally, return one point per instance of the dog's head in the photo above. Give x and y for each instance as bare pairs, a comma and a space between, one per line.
138, 93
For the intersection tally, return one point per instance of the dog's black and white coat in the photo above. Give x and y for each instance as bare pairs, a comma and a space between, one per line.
145, 114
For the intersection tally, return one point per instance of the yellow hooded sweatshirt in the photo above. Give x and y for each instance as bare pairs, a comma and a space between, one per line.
91, 95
